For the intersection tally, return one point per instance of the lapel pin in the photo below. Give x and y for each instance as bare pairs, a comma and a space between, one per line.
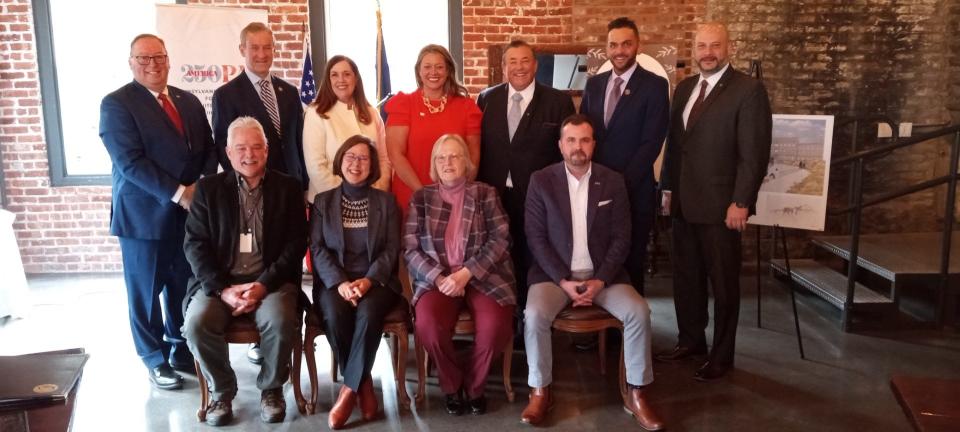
626, 92
422, 114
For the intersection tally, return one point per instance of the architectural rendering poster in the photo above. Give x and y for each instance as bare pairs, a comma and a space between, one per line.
794, 191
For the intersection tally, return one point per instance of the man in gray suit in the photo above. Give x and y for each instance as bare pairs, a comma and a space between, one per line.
716, 157
578, 228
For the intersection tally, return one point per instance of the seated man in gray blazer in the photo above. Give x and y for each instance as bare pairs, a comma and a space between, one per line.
245, 239
577, 223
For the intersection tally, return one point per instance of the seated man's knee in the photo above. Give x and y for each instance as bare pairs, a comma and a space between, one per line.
535, 316
639, 310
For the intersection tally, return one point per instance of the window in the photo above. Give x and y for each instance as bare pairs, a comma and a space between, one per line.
79, 63
351, 29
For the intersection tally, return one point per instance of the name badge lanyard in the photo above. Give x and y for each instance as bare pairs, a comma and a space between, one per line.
246, 232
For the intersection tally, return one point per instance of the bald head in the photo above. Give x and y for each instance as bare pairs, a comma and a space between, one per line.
711, 48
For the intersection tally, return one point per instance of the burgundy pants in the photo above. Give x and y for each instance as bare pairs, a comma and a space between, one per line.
436, 319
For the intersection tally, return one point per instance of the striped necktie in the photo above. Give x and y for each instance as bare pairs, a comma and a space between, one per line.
270, 103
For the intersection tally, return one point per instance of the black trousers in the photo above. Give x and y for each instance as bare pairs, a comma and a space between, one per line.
354, 333
702, 253
513, 204
643, 198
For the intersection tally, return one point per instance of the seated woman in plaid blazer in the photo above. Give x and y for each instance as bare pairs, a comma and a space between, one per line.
456, 265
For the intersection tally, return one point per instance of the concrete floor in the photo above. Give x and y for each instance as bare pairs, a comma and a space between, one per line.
841, 386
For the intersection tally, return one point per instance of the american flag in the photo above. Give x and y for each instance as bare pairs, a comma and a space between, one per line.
308, 87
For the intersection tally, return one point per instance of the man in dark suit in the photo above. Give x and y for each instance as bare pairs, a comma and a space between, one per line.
271, 100
159, 142
245, 239
714, 165
578, 228
519, 133
629, 107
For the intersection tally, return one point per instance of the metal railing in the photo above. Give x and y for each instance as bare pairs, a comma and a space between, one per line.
857, 203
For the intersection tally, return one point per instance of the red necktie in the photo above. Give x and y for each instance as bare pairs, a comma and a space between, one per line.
171, 112
695, 109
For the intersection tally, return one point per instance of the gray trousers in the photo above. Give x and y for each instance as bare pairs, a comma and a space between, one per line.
204, 325
546, 299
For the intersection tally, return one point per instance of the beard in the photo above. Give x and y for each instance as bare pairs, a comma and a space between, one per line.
578, 158
719, 64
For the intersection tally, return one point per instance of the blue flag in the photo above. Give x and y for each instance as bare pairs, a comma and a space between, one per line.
308, 87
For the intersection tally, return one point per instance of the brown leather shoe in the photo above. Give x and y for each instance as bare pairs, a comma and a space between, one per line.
342, 409
640, 409
540, 402
368, 399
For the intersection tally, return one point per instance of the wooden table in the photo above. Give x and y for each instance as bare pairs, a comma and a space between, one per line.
931, 404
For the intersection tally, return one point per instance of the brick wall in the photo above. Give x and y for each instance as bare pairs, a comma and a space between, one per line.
568, 22
486, 22
858, 58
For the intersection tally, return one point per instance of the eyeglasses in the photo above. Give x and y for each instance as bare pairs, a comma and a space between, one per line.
145, 60
442, 159
352, 158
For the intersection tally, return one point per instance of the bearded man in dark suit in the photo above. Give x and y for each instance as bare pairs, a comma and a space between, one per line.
716, 157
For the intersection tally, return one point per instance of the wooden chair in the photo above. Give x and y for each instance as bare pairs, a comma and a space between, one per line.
594, 319
465, 326
396, 324
243, 330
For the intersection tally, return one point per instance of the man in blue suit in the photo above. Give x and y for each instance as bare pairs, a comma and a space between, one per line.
630, 108
159, 142
274, 102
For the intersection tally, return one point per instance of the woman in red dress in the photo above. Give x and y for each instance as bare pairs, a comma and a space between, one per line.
439, 106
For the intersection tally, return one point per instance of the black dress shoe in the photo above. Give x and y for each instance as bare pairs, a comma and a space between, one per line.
709, 372
163, 377
454, 404
679, 353
478, 406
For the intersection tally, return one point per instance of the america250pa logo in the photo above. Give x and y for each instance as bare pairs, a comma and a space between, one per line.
200, 73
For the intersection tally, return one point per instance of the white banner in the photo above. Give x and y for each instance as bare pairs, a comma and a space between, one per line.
203, 44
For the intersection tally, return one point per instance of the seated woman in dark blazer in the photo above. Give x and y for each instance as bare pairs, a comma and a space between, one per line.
355, 242
455, 243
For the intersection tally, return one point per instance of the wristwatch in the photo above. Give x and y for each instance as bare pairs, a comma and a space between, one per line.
740, 205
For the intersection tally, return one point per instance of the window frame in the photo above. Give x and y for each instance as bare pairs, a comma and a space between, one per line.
50, 95
318, 32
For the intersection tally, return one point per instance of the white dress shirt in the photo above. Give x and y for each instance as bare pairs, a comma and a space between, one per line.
711, 83
579, 192
255, 80
527, 94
